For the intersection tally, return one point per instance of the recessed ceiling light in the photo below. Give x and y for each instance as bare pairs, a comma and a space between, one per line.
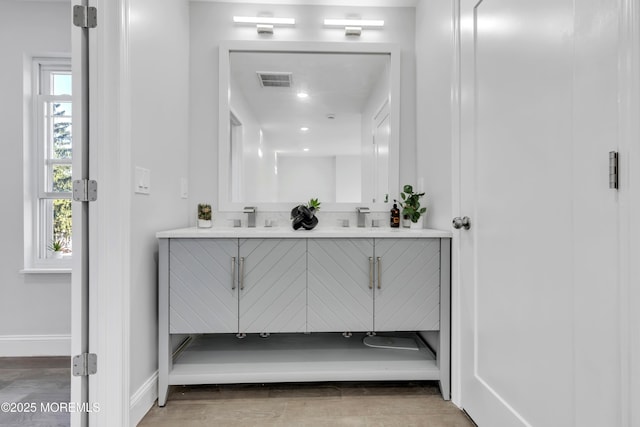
305, 149
304, 129
303, 95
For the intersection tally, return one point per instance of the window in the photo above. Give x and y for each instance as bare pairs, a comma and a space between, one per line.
51, 151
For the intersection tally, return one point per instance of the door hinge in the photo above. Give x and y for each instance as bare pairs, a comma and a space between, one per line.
613, 170
85, 16
85, 190
85, 364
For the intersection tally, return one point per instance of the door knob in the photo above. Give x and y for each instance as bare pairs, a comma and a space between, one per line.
463, 222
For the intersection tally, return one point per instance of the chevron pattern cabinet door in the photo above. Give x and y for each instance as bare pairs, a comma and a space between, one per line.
201, 298
409, 294
275, 285
339, 298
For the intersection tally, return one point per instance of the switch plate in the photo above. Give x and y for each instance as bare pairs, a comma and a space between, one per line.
142, 181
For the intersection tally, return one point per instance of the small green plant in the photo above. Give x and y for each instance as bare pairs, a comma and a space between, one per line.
204, 211
57, 245
411, 203
314, 204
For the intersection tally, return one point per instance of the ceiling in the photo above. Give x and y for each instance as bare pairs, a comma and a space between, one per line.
337, 84
361, 3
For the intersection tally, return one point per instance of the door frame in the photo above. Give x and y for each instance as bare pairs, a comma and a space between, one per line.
456, 185
629, 199
109, 223
80, 277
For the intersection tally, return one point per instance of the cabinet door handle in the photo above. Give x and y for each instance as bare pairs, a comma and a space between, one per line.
370, 272
379, 259
233, 272
241, 273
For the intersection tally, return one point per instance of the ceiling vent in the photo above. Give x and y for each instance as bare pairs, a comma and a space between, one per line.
275, 78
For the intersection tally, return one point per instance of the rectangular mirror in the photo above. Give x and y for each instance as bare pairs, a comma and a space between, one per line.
308, 120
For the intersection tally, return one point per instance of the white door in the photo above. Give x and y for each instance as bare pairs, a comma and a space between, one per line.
538, 266
381, 136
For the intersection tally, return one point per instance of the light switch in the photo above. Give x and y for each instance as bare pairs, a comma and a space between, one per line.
184, 188
142, 181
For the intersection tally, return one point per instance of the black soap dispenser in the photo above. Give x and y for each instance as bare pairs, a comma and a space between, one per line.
395, 216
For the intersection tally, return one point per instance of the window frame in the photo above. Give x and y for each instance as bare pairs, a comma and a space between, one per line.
39, 194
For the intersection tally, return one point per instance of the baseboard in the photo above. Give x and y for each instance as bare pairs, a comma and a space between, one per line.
35, 345
143, 399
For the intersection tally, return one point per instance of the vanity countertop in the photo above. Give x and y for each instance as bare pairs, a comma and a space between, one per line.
289, 233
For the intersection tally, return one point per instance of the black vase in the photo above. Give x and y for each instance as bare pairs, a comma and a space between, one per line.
303, 217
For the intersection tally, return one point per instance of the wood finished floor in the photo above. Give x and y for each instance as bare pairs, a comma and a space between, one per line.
34, 380
323, 404
47, 379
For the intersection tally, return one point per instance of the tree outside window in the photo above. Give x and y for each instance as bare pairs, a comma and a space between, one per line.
54, 131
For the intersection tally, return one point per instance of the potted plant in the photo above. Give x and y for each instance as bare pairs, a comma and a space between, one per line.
204, 215
411, 209
57, 246
305, 215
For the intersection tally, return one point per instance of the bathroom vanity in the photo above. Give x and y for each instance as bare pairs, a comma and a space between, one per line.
275, 305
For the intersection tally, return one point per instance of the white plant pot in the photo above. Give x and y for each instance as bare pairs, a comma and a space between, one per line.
204, 223
406, 223
418, 225
56, 254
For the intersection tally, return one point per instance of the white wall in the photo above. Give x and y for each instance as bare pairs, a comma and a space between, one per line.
158, 62
212, 22
35, 310
251, 165
314, 177
348, 178
434, 65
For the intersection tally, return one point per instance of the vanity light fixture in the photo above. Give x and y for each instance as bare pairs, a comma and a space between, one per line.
353, 27
264, 24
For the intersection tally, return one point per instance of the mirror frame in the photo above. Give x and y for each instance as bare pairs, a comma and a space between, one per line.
224, 170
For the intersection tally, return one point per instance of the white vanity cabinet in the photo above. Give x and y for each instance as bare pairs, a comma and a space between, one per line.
407, 285
203, 294
340, 285
231, 285
373, 285
263, 306
272, 285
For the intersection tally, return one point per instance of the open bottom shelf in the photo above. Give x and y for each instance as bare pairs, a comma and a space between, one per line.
224, 359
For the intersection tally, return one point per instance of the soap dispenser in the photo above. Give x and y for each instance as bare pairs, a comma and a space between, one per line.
395, 216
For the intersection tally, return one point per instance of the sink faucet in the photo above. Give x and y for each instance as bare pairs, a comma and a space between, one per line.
251, 210
362, 211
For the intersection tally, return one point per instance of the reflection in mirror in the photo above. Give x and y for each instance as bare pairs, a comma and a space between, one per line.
307, 124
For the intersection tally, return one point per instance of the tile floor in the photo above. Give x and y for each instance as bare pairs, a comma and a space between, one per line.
29, 381
46, 379
323, 404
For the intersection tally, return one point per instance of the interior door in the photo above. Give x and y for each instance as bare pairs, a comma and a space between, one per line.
80, 213
538, 263
381, 136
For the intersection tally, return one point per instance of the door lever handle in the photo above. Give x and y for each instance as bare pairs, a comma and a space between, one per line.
463, 222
